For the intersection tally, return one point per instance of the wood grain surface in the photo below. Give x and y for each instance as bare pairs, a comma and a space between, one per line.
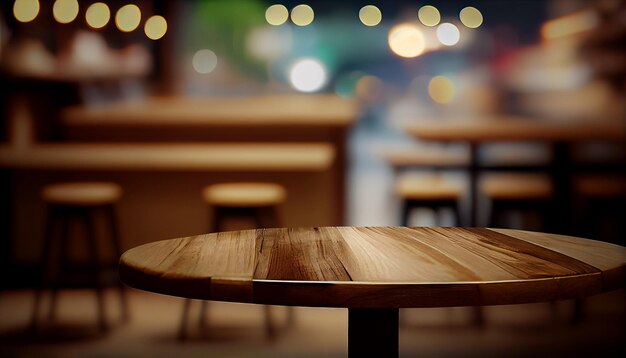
384, 267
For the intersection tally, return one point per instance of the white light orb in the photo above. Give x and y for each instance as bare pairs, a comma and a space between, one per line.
307, 75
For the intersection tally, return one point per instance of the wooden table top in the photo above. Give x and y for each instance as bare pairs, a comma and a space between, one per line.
172, 156
266, 110
384, 267
517, 129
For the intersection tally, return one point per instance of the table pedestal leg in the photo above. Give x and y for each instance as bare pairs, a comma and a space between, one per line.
372, 332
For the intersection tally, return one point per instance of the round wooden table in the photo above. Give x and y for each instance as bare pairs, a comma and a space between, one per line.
374, 271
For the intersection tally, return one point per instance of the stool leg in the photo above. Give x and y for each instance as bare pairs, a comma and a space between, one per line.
182, 332
456, 212
437, 212
117, 247
93, 252
62, 264
202, 321
494, 214
264, 217
270, 329
406, 210
216, 222
46, 256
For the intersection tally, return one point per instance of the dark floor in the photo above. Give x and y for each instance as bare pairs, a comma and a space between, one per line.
236, 330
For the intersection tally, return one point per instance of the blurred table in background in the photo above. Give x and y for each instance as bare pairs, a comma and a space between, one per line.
560, 135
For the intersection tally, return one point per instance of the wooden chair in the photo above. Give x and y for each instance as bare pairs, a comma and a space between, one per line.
260, 202
428, 191
79, 202
516, 192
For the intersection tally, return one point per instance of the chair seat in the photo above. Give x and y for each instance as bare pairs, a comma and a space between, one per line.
427, 188
516, 186
82, 193
244, 194
601, 186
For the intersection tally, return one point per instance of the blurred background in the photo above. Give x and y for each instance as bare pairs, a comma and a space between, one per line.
448, 113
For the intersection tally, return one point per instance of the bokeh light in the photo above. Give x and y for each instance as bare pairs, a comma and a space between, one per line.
429, 15
204, 61
98, 15
65, 11
155, 27
25, 10
276, 14
370, 15
441, 89
302, 15
406, 40
128, 18
269, 43
307, 75
448, 34
571, 24
471, 17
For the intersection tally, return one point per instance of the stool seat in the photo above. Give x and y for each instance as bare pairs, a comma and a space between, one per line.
244, 194
81, 204
427, 188
516, 186
595, 186
82, 193
260, 202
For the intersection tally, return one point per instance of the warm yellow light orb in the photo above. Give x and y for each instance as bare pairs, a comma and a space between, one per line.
65, 11
370, 15
429, 15
128, 18
302, 15
406, 40
471, 17
276, 14
98, 15
441, 89
155, 27
25, 10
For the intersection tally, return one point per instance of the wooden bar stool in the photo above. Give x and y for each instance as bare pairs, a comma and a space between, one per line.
603, 199
510, 192
428, 191
81, 202
260, 202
